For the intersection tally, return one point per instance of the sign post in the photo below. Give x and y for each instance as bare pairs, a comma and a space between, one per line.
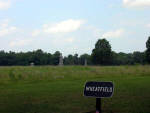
98, 105
98, 90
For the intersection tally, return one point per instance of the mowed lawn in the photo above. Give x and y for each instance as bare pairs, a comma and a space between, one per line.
52, 89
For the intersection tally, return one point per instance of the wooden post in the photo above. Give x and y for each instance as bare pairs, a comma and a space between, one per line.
98, 105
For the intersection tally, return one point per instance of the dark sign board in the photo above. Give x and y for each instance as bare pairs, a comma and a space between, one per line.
98, 89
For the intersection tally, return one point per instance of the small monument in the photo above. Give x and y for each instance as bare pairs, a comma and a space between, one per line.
31, 64
85, 62
60, 60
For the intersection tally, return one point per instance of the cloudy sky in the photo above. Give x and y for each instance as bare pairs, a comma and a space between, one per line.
73, 26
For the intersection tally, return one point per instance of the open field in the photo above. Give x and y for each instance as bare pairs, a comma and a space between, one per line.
50, 89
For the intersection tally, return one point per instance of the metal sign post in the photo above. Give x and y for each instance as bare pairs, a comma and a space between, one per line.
98, 90
98, 105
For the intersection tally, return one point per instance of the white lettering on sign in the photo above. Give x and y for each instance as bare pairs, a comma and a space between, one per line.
99, 89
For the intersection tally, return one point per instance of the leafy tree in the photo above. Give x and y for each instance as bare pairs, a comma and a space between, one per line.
130, 60
83, 57
69, 60
76, 59
115, 58
101, 54
55, 58
139, 57
3, 58
49, 59
122, 58
148, 50
36, 57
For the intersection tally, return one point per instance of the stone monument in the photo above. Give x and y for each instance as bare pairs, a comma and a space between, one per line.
31, 64
85, 62
60, 60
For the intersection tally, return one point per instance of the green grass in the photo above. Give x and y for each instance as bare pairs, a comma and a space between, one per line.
51, 89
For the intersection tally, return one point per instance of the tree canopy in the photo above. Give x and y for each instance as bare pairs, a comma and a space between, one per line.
148, 50
101, 54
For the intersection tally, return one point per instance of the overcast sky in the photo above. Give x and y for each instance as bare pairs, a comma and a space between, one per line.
73, 26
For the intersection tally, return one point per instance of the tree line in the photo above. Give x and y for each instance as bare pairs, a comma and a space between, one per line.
40, 57
101, 55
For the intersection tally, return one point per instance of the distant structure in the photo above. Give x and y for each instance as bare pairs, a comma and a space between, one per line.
61, 60
85, 62
31, 64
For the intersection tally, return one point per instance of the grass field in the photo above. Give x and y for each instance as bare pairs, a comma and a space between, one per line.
50, 89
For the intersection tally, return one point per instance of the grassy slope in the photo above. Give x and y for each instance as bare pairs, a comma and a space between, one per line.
60, 89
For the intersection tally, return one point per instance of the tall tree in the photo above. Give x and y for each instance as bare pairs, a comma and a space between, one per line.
56, 56
148, 50
70, 60
101, 54
76, 59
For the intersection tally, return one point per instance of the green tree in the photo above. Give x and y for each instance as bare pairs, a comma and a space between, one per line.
70, 60
139, 57
148, 50
37, 57
76, 59
85, 57
55, 58
101, 54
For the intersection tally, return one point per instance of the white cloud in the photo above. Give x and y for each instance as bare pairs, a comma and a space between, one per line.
35, 33
136, 3
5, 4
63, 27
148, 25
4, 23
19, 43
113, 34
5, 29
69, 40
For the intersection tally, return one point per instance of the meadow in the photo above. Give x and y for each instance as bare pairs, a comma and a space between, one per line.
53, 89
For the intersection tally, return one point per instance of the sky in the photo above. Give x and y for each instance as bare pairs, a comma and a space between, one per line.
73, 26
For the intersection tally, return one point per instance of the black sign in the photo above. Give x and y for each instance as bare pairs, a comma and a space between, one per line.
98, 89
